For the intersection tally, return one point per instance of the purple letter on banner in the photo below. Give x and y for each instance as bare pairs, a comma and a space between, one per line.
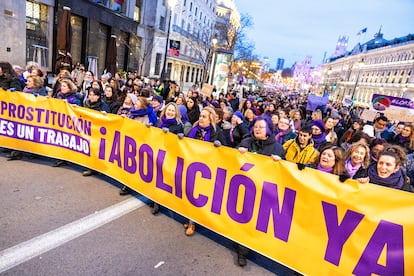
159, 180
391, 235
192, 170
282, 220
248, 200
338, 234
130, 152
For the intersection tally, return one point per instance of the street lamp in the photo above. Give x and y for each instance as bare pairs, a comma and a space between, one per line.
213, 60
171, 5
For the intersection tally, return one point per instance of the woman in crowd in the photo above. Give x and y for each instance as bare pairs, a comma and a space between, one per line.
204, 129
296, 122
129, 102
143, 112
248, 104
68, 92
262, 141
184, 119
376, 146
405, 138
239, 129
9, 78
358, 136
170, 119
111, 99
86, 83
357, 162
193, 110
275, 121
63, 74
96, 103
387, 171
331, 160
157, 104
249, 116
316, 115
284, 132
34, 85
356, 126
331, 136
318, 134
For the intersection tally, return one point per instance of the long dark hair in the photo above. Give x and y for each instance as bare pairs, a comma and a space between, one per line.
8, 70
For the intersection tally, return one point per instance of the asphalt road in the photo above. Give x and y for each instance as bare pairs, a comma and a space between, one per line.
54, 221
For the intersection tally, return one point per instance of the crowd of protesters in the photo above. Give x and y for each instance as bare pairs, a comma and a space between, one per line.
330, 138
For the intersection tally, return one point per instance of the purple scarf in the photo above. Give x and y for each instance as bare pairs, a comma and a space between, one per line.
351, 170
395, 180
279, 136
401, 140
318, 139
167, 122
327, 170
199, 129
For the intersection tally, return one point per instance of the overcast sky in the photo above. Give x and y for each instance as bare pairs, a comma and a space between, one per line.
293, 29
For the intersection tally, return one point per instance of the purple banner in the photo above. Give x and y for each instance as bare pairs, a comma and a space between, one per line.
44, 135
381, 102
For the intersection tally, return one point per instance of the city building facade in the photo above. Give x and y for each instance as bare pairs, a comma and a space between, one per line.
31, 31
153, 37
378, 66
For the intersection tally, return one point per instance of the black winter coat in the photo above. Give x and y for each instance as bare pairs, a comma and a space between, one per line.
266, 147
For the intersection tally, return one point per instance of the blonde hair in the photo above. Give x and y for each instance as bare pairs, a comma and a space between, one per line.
71, 85
353, 147
411, 144
318, 114
177, 111
212, 116
37, 81
144, 102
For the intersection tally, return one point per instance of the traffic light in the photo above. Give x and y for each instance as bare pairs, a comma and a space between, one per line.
334, 86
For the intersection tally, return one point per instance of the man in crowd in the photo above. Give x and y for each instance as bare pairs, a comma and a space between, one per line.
300, 149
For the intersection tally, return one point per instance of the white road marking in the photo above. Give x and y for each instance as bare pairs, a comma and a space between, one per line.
159, 264
27, 250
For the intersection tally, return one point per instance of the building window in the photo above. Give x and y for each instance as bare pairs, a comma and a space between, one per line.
137, 11
157, 68
192, 75
77, 31
187, 74
101, 41
37, 33
169, 68
162, 23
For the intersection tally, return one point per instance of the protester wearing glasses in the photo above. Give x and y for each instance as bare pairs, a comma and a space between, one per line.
261, 141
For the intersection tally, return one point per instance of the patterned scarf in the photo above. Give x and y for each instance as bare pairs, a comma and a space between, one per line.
205, 133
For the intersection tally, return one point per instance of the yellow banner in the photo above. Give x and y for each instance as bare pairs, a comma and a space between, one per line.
306, 220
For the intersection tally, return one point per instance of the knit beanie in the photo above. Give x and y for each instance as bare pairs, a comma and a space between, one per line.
319, 124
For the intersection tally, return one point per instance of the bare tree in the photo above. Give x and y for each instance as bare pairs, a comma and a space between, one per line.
203, 51
243, 46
